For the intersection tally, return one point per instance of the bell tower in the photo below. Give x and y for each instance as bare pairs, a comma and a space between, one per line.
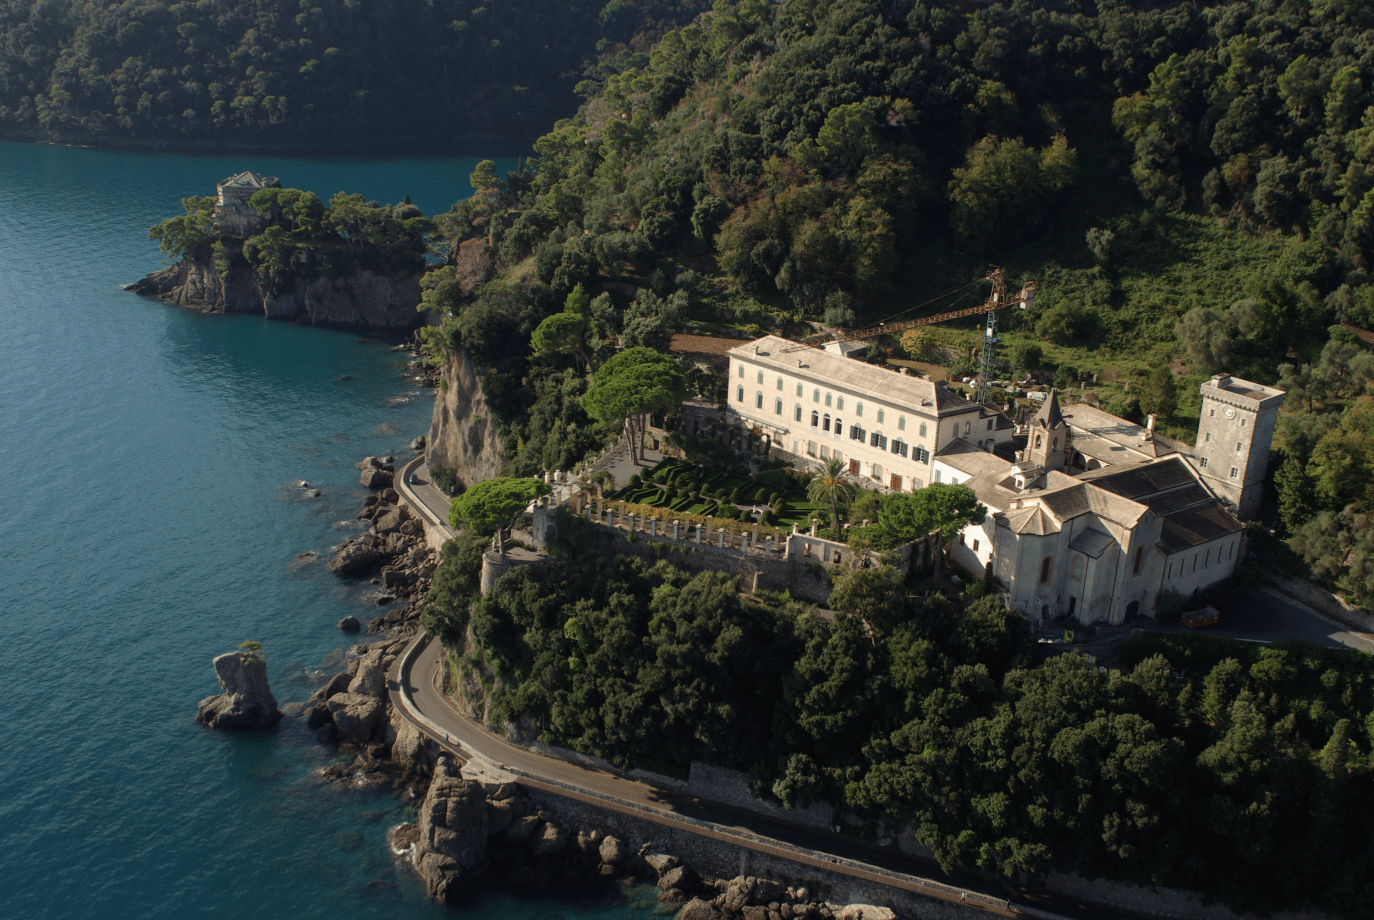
1048, 440
1233, 438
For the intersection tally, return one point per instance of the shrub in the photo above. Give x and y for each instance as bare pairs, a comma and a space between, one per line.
445, 480
634, 482
761, 496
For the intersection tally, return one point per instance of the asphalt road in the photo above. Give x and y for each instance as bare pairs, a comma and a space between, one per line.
434, 500
1260, 616
421, 683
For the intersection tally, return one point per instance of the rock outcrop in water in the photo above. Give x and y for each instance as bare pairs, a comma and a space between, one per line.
247, 701
463, 436
357, 300
451, 848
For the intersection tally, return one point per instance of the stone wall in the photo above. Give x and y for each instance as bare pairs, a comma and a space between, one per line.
799, 563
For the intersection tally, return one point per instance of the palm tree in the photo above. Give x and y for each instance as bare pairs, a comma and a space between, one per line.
831, 486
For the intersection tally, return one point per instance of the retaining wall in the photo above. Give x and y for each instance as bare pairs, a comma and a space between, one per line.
799, 562
724, 859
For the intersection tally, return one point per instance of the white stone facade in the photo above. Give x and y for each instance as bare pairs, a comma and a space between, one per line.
1089, 516
885, 426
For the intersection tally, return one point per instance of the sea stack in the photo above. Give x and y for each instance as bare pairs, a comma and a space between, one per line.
247, 701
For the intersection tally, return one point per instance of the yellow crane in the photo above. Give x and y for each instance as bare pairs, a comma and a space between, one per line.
997, 301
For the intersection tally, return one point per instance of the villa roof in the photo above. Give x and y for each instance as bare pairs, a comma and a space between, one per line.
917, 393
249, 179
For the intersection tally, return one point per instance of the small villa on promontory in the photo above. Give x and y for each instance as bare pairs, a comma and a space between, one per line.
234, 216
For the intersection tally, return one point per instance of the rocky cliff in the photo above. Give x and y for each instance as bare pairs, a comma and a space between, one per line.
462, 433
359, 300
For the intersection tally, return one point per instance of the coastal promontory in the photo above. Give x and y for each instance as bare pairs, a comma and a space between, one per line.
258, 248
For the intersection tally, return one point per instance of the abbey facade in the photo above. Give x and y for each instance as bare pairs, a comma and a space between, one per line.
1089, 516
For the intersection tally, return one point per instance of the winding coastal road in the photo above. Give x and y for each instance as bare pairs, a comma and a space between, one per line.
414, 689
413, 686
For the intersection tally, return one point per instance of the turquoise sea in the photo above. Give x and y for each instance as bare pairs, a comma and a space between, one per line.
146, 525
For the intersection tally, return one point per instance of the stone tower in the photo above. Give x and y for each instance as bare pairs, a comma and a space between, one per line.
1048, 441
1233, 439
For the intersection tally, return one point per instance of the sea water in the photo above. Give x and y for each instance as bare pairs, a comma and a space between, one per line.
148, 522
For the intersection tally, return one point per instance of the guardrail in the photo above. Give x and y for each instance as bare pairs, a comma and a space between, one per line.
416, 504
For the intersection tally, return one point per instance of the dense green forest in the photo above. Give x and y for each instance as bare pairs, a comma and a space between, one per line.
317, 73
1237, 770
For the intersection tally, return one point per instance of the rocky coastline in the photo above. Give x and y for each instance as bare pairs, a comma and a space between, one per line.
357, 300
465, 829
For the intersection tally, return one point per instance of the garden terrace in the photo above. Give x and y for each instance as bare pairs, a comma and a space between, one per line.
684, 487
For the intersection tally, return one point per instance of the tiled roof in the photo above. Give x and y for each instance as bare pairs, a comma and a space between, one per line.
1147, 478
855, 376
1364, 335
249, 179
1195, 526
1032, 521
1117, 431
1067, 503
970, 459
1091, 543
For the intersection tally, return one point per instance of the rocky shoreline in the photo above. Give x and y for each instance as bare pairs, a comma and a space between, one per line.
465, 829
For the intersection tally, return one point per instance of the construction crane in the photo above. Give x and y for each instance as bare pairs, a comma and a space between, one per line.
996, 302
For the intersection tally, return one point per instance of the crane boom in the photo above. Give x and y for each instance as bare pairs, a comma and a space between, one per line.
878, 329
997, 300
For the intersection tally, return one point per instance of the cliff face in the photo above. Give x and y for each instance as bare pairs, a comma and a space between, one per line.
462, 433
360, 300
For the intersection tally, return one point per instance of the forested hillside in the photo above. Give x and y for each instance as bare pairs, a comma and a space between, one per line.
1238, 770
1189, 185
317, 74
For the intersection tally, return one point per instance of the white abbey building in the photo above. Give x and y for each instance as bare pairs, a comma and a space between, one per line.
1089, 516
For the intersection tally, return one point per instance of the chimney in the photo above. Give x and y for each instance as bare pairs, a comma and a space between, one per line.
1150, 427
1221, 380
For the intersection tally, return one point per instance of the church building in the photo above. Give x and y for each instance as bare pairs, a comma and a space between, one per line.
1089, 516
